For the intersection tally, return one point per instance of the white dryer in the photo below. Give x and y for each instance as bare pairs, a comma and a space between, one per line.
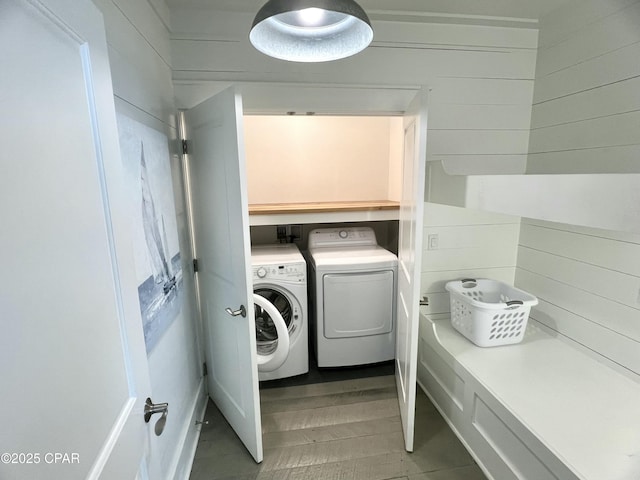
353, 282
280, 298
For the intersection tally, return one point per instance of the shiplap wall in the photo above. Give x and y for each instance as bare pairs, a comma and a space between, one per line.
480, 79
588, 285
139, 53
470, 244
586, 112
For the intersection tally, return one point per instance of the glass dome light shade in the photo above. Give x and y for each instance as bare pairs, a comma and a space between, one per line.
311, 30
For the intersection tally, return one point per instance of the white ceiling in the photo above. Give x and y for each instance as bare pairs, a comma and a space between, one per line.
512, 9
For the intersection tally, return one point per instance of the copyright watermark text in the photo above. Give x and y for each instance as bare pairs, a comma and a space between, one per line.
32, 458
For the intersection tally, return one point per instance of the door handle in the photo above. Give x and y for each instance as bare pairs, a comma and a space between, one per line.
241, 312
151, 408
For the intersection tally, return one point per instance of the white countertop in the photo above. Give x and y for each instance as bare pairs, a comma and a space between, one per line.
585, 412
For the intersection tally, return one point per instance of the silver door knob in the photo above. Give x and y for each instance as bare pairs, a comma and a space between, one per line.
241, 312
151, 408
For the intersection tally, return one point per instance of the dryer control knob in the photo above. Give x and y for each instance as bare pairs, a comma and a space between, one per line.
261, 272
343, 234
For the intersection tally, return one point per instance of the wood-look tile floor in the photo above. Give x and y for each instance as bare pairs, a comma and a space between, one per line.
338, 430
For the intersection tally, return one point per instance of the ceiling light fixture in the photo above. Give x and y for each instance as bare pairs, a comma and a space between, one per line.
311, 30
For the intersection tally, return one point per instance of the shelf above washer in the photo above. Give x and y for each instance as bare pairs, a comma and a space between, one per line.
323, 212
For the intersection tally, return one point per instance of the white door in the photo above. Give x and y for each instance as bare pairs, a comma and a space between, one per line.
220, 219
409, 260
74, 370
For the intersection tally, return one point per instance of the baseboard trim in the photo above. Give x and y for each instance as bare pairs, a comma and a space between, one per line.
181, 469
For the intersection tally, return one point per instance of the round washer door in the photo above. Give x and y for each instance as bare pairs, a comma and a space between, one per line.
274, 352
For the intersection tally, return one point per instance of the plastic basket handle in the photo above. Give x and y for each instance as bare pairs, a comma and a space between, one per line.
514, 302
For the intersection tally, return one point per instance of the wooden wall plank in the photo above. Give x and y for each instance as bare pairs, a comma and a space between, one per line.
199, 23
477, 142
484, 74
479, 117
147, 18
615, 130
604, 70
622, 159
445, 215
590, 232
600, 340
604, 35
597, 281
216, 60
482, 164
588, 282
586, 91
480, 91
574, 16
471, 243
595, 247
619, 97
141, 74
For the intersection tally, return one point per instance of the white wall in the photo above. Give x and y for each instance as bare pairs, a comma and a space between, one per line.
586, 112
588, 285
469, 244
298, 159
586, 119
138, 40
480, 79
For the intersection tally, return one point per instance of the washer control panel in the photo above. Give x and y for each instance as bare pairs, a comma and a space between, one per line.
348, 236
287, 272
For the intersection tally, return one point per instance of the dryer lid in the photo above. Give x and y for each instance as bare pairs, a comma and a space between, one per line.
369, 257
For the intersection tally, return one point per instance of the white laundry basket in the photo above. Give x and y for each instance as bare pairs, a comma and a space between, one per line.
488, 312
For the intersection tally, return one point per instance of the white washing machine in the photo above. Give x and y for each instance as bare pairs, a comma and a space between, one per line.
280, 298
353, 282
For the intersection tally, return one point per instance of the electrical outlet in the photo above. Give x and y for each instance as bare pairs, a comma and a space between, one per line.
281, 232
638, 299
433, 241
296, 232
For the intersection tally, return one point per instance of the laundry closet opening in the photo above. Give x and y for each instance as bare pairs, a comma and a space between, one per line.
308, 172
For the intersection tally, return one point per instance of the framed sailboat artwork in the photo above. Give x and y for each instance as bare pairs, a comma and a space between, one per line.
146, 159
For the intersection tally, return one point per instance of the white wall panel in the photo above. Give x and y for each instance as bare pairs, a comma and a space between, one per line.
613, 130
222, 60
470, 244
622, 159
477, 142
481, 91
590, 246
597, 72
576, 15
615, 98
588, 283
150, 21
603, 36
140, 69
446, 116
585, 114
480, 78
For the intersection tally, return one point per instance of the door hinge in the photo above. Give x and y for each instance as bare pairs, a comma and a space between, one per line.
195, 265
205, 371
185, 147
